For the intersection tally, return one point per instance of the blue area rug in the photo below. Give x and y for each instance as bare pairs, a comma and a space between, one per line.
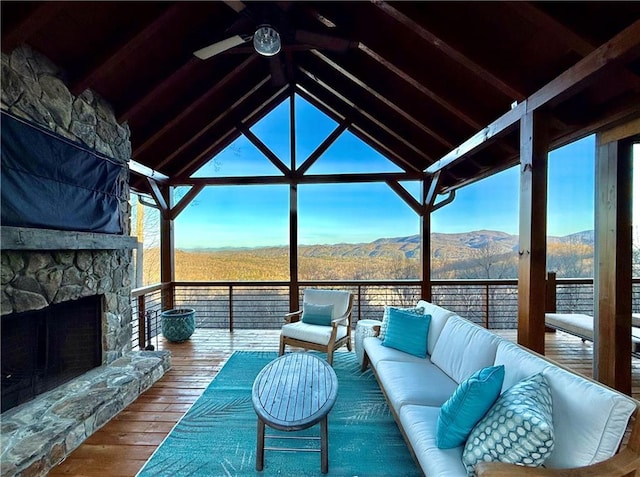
217, 436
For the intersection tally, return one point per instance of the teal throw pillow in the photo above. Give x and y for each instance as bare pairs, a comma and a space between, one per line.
385, 317
518, 429
469, 403
407, 332
313, 314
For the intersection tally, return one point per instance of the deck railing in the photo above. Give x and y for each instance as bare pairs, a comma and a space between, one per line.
262, 305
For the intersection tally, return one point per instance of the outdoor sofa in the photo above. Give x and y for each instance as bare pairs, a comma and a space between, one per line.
587, 420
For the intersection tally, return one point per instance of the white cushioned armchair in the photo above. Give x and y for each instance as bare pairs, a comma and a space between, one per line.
323, 324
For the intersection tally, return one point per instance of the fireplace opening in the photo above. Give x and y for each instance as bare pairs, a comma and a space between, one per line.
44, 349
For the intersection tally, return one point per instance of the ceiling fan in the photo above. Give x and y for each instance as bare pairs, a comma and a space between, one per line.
269, 29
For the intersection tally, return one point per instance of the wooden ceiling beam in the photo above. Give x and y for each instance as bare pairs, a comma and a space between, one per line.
209, 126
365, 114
307, 179
321, 149
406, 196
361, 133
436, 98
454, 54
549, 24
624, 47
164, 87
210, 93
124, 49
236, 5
387, 102
186, 200
34, 22
262, 147
232, 132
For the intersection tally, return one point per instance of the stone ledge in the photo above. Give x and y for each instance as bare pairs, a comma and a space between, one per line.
26, 238
39, 434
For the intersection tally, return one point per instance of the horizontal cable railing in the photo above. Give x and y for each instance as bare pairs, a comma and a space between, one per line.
146, 306
262, 305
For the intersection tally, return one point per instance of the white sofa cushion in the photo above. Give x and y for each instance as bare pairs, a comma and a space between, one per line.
377, 352
454, 354
439, 317
589, 420
419, 424
518, 363
414, 383
312, 333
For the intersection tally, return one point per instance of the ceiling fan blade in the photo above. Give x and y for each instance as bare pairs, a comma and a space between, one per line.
220, 46
319, 40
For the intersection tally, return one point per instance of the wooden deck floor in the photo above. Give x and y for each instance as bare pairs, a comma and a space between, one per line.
123, 445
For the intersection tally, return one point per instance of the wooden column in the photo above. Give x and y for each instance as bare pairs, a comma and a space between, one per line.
167, 247
294, 287
425, 240
534, 145
612, 271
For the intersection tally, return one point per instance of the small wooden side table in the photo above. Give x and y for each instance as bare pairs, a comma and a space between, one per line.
294, 392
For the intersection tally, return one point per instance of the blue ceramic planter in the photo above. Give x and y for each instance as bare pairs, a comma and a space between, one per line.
178, 324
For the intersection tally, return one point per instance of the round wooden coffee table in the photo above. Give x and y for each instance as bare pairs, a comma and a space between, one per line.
294, 392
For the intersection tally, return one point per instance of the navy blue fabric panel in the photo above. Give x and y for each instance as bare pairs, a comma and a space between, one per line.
48, 182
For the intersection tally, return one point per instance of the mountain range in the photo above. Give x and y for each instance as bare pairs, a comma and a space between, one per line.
450, 246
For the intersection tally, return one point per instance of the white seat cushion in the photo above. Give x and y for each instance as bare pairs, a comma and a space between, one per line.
420, 424
376, 352
414, 383
312, 333
576, 323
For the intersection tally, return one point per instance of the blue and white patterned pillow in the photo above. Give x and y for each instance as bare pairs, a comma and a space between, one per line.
517, 429
385, 318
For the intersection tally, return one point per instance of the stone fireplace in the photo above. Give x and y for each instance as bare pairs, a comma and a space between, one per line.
41, 279
63, 292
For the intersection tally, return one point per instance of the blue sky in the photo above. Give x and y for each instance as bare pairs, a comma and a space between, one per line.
249, 216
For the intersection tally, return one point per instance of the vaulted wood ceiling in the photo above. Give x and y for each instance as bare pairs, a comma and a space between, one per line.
415, 80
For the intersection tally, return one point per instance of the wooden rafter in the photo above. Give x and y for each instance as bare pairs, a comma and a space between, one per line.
365, 114
380, 97
436, 98
231, 134
550, 25
623, 47
209, 126
454, 54
228, 79
123, 50
33, 23
165, 86
359, 132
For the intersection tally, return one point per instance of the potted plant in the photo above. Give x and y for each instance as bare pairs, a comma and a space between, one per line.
178, 324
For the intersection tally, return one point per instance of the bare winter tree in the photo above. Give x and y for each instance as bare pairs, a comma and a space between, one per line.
490, 261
